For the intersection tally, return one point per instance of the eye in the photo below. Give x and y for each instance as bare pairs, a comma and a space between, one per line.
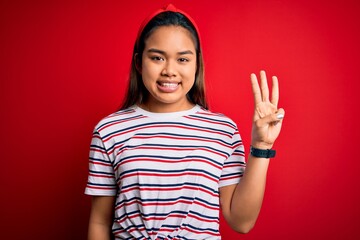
183, 60
156, 58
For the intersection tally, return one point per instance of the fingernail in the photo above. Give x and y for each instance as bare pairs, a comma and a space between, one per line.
280, 116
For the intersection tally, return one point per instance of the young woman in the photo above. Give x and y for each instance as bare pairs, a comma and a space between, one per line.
163, 166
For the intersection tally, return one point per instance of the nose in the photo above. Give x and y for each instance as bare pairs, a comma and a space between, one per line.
169, 69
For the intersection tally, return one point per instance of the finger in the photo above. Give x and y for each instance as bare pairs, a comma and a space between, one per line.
255, 88
275, 91
264, 86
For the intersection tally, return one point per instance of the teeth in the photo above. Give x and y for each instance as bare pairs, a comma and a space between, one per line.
169, 85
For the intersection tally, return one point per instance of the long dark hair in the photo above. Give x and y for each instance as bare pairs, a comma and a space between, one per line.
136, 91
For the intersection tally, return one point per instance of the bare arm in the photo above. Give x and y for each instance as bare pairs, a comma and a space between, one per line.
101, 217
241, 203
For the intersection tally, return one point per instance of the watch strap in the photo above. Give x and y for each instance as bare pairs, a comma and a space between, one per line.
262, 153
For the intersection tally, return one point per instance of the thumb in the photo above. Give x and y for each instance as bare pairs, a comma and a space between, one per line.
274, 118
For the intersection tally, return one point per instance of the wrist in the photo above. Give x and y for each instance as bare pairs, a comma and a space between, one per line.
262, 153
262, 145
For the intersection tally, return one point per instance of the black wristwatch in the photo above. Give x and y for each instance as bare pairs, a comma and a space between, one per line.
262, 153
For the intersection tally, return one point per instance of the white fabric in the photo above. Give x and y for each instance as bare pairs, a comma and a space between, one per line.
165, 170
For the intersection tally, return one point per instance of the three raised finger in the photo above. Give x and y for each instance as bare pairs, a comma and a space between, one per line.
264, 86
275, 91
261, 93
255, 88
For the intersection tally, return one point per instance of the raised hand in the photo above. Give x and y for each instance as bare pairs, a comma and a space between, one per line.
267, 119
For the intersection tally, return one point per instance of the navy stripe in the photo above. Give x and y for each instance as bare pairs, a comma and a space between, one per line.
237, 142
158, 200
204, 216
117, 143
160, 124
101, 184
181, 137
207, 203
156, 157
239, 151
231, 174
92, 146
179, 146
118, 121
99, 160
214, 120
103, 173
200, 229
146, 200
186, 170
149, 215
171, 185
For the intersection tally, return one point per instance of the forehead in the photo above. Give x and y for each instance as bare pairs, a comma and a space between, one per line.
171, 38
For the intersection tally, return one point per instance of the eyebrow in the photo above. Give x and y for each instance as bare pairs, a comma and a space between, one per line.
154, 50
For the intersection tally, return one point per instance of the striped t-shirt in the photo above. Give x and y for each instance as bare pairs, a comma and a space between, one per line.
165, 170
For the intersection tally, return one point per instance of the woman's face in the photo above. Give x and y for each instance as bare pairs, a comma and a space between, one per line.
168, 69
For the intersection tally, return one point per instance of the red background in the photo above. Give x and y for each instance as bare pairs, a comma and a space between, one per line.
64, 65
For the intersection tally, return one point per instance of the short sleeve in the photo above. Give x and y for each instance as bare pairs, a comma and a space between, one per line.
234, 166
101, 178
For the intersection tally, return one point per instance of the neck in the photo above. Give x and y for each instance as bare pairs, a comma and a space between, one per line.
166, 107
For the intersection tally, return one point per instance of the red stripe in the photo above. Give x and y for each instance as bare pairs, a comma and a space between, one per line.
238, 154
166, 175
238, 145
182, 148
210, 121
100, 163
200, 232
229, 178
174, 215
98, 150
166, 217
233, 165
206, 206
100, 175
166, 161
182, 139
136, 201
171, 137
101, 188
165, 126
137, 229
119, 122
169, 189
211, 114
203, 219
120, 113
154, 218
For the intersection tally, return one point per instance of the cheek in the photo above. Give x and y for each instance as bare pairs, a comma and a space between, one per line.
148, 71
189, 71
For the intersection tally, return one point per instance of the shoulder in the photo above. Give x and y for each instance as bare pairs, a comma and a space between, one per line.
118, 119
214, 117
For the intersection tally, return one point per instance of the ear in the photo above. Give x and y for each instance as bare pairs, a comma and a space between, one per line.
137, 61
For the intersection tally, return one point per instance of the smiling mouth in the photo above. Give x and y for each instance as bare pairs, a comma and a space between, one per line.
168, 86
